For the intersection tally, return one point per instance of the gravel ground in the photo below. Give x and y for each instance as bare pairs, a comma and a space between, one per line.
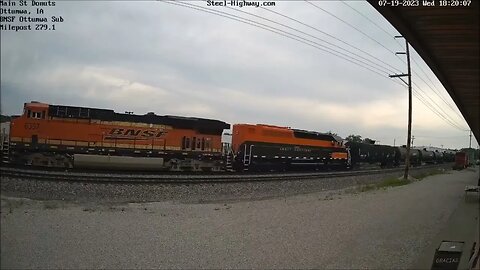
145, 192
381, 229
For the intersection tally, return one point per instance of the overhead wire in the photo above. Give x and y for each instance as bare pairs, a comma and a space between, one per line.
331, 36
314, 44
307, 42
352, 26
312, 36
370, 20
420, 77
425, 102
434, 89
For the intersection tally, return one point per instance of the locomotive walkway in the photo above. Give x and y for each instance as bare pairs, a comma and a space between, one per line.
383, 229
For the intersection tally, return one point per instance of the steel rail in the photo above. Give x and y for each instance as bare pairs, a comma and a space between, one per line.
179, 179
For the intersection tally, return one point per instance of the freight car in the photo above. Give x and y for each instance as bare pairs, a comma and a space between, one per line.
415, 156
68, 136
427, 157
381, 155
273, 148
461, 161
439, 156
449, 156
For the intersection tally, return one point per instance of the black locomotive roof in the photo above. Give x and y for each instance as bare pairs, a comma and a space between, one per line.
207, 126
305, 134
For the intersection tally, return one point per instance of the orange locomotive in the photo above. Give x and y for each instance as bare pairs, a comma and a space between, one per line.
68, 136
264, 147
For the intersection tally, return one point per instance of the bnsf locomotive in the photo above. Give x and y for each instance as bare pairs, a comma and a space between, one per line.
67, 136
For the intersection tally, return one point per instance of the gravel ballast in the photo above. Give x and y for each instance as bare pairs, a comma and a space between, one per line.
198, 192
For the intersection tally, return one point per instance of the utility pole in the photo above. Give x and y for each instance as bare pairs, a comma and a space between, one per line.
409, 84
470, 146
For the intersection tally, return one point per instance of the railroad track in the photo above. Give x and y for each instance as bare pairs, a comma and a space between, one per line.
18, 173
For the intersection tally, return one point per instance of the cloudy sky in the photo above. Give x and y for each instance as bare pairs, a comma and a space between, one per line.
144, 56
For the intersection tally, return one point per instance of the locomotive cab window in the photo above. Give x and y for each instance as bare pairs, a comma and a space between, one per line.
35, 115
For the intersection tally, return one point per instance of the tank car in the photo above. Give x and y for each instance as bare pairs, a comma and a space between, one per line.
380, 155
439, 157
427, 157
273, 148
449, 156
415, 156
69, 136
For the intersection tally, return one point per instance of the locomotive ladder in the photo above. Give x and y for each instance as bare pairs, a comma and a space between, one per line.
228, 162
5, 150
247, 157
227, 152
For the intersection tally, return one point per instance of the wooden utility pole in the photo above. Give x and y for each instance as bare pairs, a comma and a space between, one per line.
470, 145
409, 84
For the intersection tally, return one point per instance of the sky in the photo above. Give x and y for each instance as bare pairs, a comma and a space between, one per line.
155, 56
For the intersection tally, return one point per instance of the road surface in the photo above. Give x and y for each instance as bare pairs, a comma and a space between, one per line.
386, 228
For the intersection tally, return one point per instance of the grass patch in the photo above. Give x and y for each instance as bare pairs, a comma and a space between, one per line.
390, 182
393, 182
430, 173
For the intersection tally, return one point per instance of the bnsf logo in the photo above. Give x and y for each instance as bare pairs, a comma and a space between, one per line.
120, 132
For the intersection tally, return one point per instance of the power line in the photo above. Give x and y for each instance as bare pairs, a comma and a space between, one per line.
422, 99
307, 34
358, 30
370, 20
425, 101
299, 39
434, 90
280, 32
420, 77
435, 103
347, 23
331, 36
